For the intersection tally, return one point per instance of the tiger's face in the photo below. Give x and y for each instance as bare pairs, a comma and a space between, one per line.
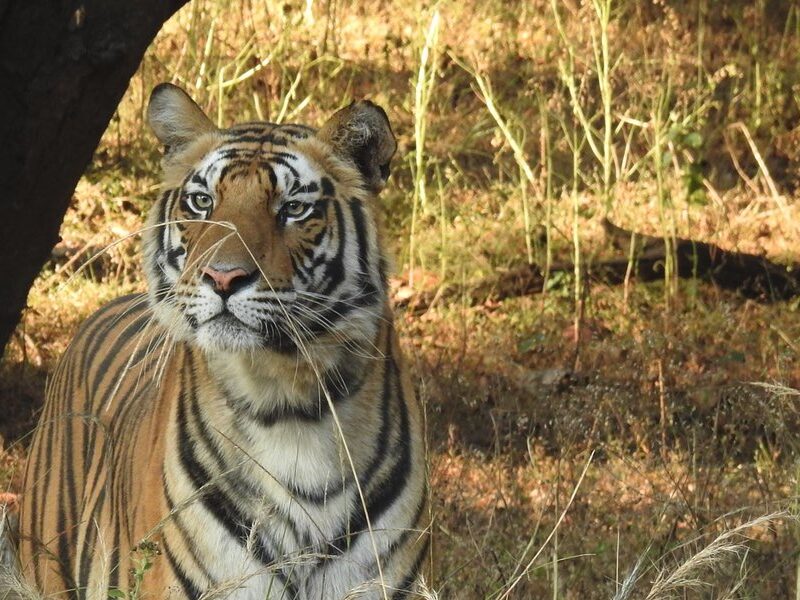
265, 235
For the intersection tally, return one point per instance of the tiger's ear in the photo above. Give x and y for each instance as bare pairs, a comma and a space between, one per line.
175, 118
361, 133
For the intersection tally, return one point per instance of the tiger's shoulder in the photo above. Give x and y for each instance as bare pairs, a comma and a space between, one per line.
116, 347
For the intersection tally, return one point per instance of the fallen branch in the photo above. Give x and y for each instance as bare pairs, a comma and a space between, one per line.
751, 275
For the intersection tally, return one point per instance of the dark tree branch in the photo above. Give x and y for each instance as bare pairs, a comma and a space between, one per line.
752, 276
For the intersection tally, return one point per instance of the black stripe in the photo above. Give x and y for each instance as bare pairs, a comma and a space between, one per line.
263, 127
113, 575
407, 532
215, 500
384, 492
240, 165
89, 544
357, 521
96, 337
181, 527
210, 443
235, 153
342, 381
321, 206
309, 188
64, 530
360, 225
191, 591
203, 432
162, 287
328, 188
256, 137
134, 389
297, 131
105, 313
48, 453
335, 266
173, 255
386, 399
329, 315
407, 586
280, 154
68, 385
273, 177
367, 292
279, 160
32, 475
297, 268
66, 483
131, 396
245, 128
102, 449
114, 352
107, 319
160, 236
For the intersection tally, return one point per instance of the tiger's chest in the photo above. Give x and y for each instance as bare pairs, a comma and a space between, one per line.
261, 498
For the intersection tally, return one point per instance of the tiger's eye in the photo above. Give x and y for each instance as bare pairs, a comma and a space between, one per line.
199, 203
294, 209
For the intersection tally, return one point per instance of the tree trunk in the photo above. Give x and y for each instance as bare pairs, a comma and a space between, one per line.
64, 66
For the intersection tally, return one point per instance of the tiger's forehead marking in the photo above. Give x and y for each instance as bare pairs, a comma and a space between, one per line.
289, 170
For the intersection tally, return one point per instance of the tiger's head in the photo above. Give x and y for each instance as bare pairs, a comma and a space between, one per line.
265, 235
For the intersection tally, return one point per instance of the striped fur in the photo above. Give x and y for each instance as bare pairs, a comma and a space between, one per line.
265, 436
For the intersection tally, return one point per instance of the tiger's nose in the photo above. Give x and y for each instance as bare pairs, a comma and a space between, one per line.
226, 282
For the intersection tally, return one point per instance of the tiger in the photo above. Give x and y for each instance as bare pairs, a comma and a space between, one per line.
248, 427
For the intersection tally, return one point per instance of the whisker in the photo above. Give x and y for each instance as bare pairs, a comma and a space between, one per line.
325, 300
96, 256
330, 328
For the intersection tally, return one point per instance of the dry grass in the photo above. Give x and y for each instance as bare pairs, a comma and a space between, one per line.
671, 117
